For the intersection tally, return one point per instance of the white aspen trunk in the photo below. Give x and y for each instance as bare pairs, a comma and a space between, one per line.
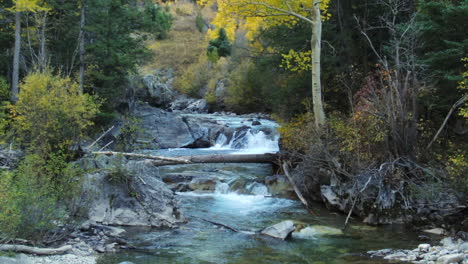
42, 51
319, 113
16, 56
82, 44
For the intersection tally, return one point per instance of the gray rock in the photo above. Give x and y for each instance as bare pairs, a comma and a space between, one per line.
331, 198
162, 129
278, 185
256, 123
199, 106
281, 230
203, 184
463, 247
424, 247
448, 243
158, 87
5, 260
148, 203
452, 258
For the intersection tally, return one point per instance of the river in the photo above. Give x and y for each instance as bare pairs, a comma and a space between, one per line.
241, 200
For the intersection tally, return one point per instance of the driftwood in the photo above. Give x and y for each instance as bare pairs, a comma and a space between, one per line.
35, 250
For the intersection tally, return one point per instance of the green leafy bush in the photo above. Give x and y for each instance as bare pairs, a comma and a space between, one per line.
51, 113
200, 22
37, 197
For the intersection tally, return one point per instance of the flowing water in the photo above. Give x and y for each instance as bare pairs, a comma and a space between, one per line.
240, 200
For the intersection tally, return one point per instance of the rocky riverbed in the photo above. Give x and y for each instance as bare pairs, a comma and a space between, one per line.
449, 251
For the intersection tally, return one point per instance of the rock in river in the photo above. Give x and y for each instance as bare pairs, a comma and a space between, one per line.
149, 202
281, 230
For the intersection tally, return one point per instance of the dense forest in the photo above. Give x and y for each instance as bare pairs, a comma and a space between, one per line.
371, 98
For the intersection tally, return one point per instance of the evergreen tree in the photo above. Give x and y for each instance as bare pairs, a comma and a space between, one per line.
445, 43
221, 45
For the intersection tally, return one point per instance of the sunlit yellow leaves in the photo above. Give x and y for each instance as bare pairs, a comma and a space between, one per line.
254, 15
297, 61
29, 5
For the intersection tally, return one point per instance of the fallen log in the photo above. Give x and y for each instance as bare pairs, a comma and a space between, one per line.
35, 250
142, 156
228, 158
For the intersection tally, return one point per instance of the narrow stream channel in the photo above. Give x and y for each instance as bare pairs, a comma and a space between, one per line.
242, 201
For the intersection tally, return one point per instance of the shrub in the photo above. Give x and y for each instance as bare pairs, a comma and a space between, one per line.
51, 113
4, 90
35, 199
129, 133
200, 22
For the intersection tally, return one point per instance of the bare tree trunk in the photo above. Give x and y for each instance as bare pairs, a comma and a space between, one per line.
82, 44
319, 113
42, 50
16, 56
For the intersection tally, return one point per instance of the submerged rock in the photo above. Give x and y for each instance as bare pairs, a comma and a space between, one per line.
281, 230
311, 232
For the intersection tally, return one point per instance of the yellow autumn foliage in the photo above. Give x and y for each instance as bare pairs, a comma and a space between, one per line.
29, 5
51, 113
252, 16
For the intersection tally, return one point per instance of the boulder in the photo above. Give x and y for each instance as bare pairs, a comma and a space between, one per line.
331, 198
162, 129
148, 202
198, 106
451, 258
158, 87
203, 184
281, 230
256, 123
278, 185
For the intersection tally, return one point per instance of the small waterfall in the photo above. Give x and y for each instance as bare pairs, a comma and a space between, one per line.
222, 188
221, 142
250, 141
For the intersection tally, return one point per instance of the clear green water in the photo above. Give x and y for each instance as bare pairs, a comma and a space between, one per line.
201, 242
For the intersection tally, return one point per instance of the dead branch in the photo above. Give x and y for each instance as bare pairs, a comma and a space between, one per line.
296, 189
454, 107
100, 137
228, 227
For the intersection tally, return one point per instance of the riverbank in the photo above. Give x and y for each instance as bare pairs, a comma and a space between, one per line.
59, 259
450, 250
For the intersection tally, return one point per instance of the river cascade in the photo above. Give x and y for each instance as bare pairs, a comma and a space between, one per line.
247, 197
